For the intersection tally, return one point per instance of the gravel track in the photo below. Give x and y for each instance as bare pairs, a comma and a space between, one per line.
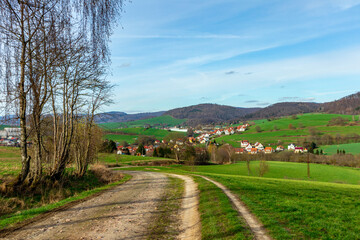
120, 213
191, 223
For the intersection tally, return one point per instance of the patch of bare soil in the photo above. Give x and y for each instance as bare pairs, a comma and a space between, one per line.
120, 213
191, 224
255, 225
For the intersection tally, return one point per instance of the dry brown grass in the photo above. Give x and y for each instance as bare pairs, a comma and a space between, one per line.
104, 174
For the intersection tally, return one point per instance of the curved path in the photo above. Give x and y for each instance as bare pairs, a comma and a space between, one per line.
255, 225
190, 216
120, 213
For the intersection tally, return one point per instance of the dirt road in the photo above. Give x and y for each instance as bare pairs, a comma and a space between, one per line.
120, 213
191, 224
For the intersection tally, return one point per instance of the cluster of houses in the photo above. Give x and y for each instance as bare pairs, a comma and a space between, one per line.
10, 137
205, 137
247, 147
133, 149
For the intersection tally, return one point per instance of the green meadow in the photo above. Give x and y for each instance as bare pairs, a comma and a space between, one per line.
292, 209
353, 148
288, 208
120, 138
164, 120
286, 170
131, 134
10, 161
112, 158
277, 131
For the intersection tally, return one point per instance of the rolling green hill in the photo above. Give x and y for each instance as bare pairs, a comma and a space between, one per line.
278, 131
164, 120
353, 148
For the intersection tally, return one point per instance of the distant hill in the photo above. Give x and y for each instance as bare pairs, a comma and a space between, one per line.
284, 109
214, 114
164, 121
209, 113
108, 117
346, 105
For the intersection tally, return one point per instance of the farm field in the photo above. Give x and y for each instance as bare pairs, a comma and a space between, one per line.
299, 209
10, 161
112, 158
119, 138
284, 135
353, 148
286, 170
293, 209
131, 134
165, 120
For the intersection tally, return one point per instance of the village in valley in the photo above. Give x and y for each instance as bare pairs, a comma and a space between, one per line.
206, 137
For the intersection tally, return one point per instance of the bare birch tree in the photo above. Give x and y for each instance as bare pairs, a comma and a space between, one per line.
50, 52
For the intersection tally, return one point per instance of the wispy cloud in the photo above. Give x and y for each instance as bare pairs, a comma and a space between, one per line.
230, 72
251, 101
296, 99
205, 36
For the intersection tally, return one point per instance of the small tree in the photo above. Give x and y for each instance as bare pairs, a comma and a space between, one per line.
258, 129
141, 149
263, 167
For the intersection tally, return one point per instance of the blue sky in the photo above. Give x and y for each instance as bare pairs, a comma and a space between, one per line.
168, 54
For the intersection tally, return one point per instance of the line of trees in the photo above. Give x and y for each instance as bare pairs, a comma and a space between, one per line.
52, 69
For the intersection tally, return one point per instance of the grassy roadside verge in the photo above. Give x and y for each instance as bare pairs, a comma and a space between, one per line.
165, 225
218, 219
13, 221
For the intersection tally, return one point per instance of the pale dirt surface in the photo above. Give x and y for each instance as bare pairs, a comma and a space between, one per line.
255, 225
191, 224
121, 213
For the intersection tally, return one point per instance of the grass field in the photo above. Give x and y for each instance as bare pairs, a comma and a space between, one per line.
353, 148
10, 161
307, 120
112, 158
120, 138
131, 134
286, 170
164, 120
269, 135
218, 219
300, 209
289, 209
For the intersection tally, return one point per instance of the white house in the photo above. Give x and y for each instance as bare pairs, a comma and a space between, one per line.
259, 146
248, 147
291, 147
244, 143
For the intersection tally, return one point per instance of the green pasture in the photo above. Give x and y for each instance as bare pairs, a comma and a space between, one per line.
288, 208
272, 138
353, 148
112, 158
10, 161
286, 170
307, 120
299, 209
164, 120
119, 138
284, 135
